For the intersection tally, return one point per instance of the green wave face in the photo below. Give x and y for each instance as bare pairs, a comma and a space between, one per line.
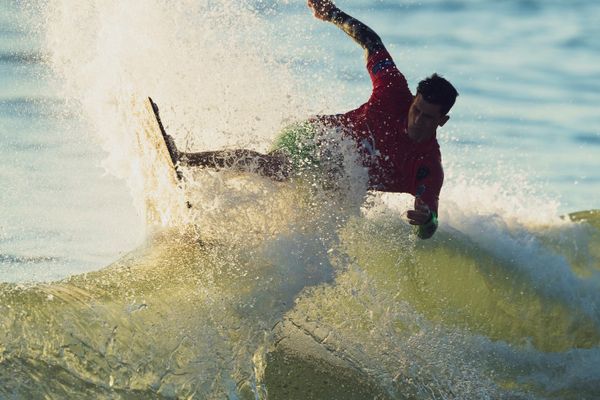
376, 314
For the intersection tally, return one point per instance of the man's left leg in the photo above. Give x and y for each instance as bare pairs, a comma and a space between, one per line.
273, 165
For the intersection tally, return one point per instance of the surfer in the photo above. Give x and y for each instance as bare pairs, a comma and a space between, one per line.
394, 131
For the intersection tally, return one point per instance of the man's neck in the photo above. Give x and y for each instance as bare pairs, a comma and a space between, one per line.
422, 138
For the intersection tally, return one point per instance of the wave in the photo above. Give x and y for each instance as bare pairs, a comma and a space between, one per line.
377, 314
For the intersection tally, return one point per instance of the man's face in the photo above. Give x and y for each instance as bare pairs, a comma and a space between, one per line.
423, 119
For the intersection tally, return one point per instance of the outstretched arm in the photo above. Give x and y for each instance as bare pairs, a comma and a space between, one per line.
363, 35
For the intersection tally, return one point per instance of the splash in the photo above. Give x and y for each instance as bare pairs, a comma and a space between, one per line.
209, 65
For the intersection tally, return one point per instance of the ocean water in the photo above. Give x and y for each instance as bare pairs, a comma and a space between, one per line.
258, 292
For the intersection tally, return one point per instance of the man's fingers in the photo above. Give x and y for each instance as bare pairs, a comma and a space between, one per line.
315, 5
416, 217
321, 8
413, 214
416, 221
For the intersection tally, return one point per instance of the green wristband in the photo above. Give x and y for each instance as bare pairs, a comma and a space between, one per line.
431, 221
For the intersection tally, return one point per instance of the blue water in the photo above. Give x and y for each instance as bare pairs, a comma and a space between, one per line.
526, 116
60, 213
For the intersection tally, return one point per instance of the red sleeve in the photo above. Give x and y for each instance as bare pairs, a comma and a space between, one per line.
389, 85
429, 186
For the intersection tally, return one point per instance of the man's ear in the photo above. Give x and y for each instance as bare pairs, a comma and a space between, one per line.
444, 119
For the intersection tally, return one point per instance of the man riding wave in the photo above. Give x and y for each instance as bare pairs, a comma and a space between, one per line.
394, 131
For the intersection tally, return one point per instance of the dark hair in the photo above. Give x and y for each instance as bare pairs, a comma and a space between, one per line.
437, 90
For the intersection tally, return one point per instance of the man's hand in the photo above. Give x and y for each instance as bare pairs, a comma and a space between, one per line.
322, 9
327, 11
420, 215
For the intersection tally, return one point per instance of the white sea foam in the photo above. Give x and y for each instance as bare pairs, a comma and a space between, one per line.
209, 65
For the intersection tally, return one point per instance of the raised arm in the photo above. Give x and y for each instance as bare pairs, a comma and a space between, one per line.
363, 35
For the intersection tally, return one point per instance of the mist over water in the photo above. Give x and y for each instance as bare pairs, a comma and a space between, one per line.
258, 277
